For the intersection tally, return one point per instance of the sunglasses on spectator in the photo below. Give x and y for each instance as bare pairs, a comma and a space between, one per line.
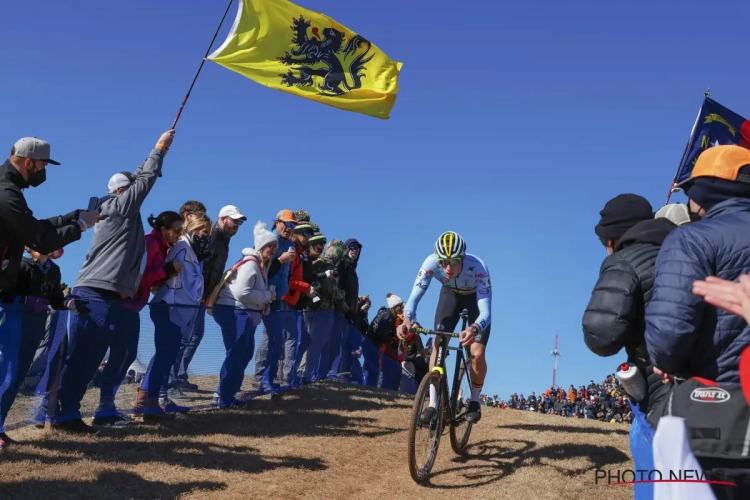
307, 234
290, 225
448, 262
237, 221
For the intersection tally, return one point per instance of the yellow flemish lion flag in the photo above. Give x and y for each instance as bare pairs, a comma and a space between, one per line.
286, 47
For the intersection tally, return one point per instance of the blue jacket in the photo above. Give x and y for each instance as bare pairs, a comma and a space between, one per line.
281, 278
685, 335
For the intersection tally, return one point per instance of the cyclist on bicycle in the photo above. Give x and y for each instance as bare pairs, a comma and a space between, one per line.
466, 285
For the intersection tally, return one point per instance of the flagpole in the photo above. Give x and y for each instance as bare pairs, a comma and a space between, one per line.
687, 146
208, 51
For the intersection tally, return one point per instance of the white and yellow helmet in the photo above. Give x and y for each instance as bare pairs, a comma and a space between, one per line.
450, 245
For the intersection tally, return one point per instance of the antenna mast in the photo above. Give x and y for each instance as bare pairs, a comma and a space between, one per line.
555, 354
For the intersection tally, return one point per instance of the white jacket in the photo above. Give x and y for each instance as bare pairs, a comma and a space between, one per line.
247, 287
185, 289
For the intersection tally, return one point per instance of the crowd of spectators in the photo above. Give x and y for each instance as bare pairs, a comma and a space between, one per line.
605, 401
659, 303
295, 282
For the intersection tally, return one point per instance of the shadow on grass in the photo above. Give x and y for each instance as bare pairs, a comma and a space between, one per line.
564, 428
114, 485
489, 461
179, 452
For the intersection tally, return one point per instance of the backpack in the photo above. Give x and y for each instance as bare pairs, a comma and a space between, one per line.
215, 293
717, 417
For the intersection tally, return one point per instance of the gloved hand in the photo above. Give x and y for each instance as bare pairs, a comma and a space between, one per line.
76, 305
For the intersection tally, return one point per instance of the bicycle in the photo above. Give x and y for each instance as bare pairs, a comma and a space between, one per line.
451, 410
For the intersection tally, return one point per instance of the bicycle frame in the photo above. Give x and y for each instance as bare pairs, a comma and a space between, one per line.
443, 339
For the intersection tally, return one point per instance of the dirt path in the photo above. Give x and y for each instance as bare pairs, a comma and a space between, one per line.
325, 441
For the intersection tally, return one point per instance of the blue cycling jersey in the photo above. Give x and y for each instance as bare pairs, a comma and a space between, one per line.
474, 277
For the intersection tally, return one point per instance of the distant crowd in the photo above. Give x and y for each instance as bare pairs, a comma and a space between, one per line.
605, 401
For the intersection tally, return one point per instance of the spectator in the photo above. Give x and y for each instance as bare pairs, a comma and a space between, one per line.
110, 273
382, 332
686, 337
230, 220
240, 306
320, 319
300, 292
271, 344
308, 275
39, 286
353, 336
334, 344
615, 316
353, 249
26, 167
190, 209
172, 324
166, 231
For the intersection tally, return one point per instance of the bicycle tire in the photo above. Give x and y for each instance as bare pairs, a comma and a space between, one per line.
420, 474
458, 443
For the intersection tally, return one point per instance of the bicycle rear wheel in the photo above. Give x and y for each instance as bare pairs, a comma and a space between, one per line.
460, 429
418, 430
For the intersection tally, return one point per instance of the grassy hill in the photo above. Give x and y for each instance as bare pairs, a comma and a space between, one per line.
323, 441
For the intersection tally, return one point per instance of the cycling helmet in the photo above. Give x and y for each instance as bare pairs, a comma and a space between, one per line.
450, 245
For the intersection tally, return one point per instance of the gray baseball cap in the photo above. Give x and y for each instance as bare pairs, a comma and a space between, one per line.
33, 148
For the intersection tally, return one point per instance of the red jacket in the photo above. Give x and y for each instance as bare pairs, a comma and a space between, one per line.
154, 274
296, 285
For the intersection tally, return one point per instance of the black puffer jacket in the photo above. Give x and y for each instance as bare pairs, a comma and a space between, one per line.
616, 314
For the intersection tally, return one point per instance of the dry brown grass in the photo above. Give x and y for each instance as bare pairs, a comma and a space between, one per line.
324, 441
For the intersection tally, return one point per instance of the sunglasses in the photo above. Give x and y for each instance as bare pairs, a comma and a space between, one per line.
290, 225
307, 234
448, 262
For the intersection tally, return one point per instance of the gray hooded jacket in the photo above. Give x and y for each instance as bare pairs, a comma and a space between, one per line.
117, 256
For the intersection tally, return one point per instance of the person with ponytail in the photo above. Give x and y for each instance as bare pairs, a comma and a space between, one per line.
242, 301
173, 310
166, 231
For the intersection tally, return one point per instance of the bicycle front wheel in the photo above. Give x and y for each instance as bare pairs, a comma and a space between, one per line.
425, 428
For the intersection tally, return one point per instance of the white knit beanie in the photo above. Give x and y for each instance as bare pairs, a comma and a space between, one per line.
676, 212
393, 300
263, 236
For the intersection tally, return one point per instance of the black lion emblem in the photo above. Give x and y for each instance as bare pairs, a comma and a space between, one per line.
319, 57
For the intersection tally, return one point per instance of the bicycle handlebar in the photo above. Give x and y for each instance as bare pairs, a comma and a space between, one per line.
425, 331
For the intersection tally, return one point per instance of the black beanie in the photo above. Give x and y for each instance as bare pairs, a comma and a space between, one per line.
621, 213
710, 191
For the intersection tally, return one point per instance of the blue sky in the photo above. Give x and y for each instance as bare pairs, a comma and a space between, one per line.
515, 123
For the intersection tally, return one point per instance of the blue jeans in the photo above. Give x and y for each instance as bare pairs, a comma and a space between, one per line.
372, 355
238, 332
33, 328
122, 352
292, 333
337, 344
390, 376
167, 337
271, 346
179, 372
89, 337
10, 344
319, 324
